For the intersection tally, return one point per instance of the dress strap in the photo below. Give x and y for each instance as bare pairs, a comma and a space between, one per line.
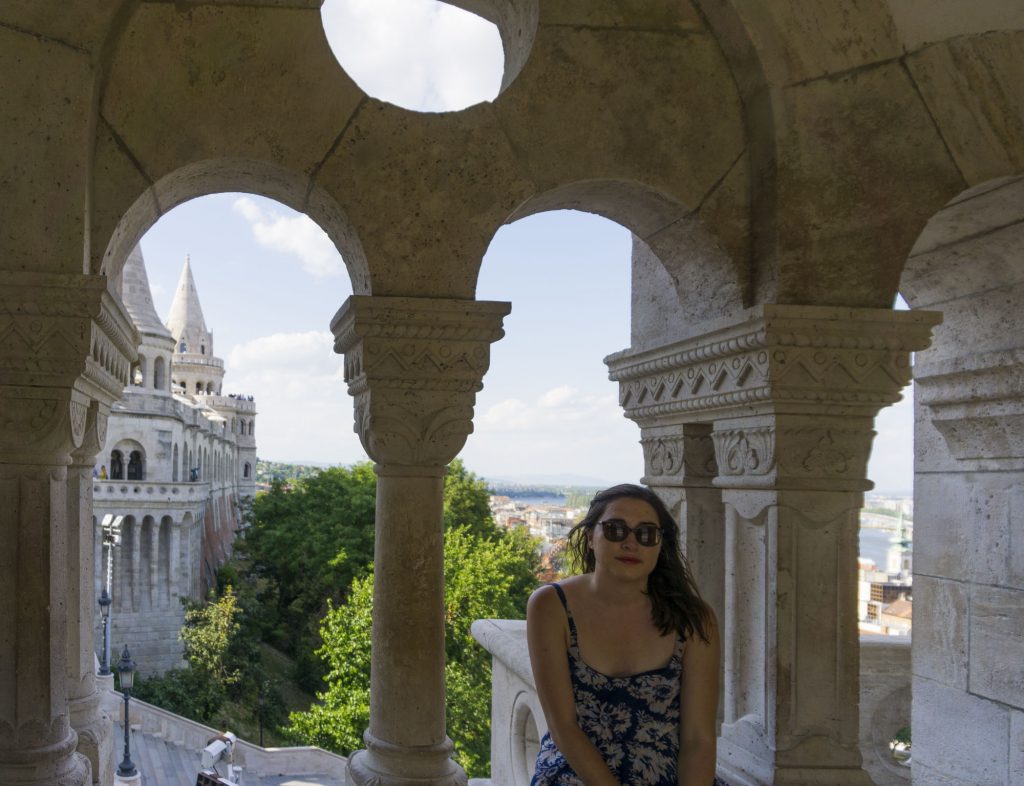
568, 614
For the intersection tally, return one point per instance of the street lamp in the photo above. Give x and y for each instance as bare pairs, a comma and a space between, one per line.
105, 602
126, 673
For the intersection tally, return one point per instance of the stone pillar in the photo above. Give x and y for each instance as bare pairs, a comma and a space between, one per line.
414, 366
791, 393
173, 561
67, 342
154, 563
95, 733
133, 577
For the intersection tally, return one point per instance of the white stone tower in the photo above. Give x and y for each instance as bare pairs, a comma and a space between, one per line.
195, 367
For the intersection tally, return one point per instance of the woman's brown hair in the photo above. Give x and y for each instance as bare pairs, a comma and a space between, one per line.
676, 603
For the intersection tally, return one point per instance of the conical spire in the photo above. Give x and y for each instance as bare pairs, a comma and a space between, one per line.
138, 298
186, 321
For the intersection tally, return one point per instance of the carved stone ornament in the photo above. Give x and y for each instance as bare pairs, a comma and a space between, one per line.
745, 451
810, 359
414, 366
977, 403
67, 341
663, 456
59, 330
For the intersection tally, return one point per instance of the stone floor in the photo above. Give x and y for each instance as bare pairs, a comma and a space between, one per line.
163, 763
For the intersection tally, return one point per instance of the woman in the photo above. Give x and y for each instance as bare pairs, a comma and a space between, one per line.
625, 656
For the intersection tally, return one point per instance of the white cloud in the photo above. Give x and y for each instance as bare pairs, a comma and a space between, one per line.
561, 410
295, 234
304, 410
418, 54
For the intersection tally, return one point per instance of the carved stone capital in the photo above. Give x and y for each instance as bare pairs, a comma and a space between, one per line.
772, 358
66, 342
794, 452
678, 456
977, 403
414, 366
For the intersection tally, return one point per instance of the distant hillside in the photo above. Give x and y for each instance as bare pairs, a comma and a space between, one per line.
269, 471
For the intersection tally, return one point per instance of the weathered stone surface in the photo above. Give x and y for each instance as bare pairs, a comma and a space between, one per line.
438, 166
595, 73
853, 198
47, 89
971, 88
996, 630
941, 609
941, 527
801, 40
970, 750
946, 19
637, 14
182, 86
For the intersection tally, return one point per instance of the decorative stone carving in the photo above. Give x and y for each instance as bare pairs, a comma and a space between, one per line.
977, 403
745, 451
414, 366
820, 359
67, 341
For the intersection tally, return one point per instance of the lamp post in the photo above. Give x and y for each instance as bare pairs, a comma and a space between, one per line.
126, 673
105, 603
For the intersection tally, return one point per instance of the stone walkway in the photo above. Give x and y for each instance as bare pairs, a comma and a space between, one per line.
162, 763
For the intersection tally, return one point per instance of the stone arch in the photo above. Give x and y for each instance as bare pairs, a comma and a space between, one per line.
231, 175
696, 274
117, 464
141, 376
246, 471
174, 464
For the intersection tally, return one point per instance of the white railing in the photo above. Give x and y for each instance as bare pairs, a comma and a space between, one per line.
517, 721
297, 761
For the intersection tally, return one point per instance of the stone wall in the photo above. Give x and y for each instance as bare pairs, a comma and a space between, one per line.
969, 493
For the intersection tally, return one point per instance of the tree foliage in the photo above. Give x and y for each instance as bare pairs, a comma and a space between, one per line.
213, 664
485, 577
304, 545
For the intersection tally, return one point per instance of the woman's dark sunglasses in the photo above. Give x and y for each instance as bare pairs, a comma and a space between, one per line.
617, 530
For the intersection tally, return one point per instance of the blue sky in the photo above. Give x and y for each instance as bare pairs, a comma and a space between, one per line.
270, 281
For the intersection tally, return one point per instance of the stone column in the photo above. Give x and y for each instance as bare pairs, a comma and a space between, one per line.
792, 392
414, 366
133, 577
67, 342
173, 561
95, 734
154, 563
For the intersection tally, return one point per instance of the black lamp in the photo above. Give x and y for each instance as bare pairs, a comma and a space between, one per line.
126, 675
105, 602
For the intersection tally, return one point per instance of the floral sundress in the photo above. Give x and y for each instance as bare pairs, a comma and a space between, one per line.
633, 721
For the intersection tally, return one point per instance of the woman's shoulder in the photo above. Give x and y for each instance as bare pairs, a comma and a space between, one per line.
555, 598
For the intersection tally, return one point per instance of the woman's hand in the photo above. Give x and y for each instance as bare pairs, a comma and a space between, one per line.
547, 633
698, 711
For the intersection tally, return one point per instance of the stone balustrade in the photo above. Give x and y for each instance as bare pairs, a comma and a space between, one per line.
296, 761
143, 490
517, 721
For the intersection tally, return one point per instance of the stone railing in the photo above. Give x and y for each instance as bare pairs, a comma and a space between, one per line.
149, 491
297, 761
517, 721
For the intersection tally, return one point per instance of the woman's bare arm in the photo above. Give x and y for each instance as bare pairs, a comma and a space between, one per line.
546, 634
698, 712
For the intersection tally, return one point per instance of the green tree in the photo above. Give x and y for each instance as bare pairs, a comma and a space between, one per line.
485, 577
199, 690
304, 545
467, 501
